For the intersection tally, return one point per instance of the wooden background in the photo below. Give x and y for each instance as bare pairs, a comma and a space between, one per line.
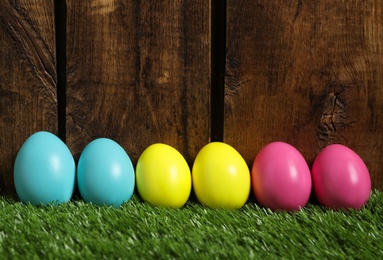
246, 72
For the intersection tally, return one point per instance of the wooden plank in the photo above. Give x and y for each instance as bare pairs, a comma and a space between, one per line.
308, 73
27, 78
138, 72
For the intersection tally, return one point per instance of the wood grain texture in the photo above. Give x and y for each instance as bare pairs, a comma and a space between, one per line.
308, 73
138, 72
27, 78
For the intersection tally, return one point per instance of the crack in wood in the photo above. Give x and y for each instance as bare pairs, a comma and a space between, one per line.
30, 46
333, 118
299, 9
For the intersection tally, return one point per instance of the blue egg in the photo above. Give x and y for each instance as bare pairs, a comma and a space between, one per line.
44, 170
105, 173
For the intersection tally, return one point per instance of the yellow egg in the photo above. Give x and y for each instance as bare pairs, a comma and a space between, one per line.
221, 177
163, 176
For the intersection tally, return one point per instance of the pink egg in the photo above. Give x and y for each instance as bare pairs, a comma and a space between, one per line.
340, 178
281, 178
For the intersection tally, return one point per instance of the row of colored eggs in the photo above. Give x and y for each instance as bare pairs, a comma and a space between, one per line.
45, 172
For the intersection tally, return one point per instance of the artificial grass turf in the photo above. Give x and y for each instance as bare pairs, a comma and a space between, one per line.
139, 230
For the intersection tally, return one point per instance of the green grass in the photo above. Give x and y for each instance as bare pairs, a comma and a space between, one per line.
139, 230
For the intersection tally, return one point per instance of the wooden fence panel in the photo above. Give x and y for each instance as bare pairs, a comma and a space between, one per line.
308, 73
138, 72
28, 100
305, 72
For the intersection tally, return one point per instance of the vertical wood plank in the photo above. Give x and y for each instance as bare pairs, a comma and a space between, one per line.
308, 73
138, 72
27, 78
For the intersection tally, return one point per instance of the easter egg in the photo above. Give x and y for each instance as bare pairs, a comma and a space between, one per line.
163, 176
44, 170
221, 177
281, 178
340, 178
105, 173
